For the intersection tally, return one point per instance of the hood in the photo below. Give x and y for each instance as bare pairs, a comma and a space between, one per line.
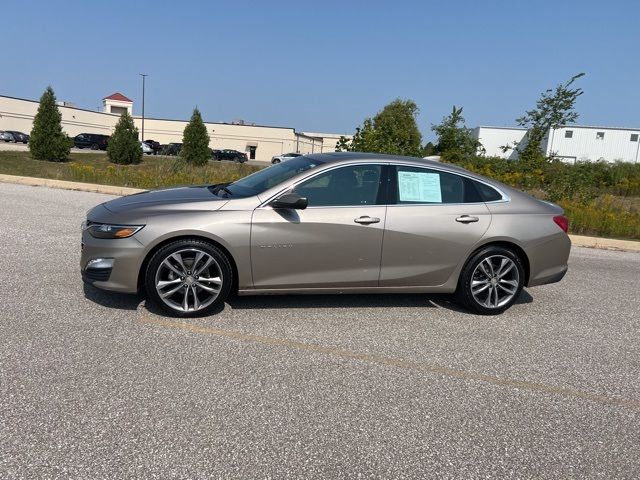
163, 201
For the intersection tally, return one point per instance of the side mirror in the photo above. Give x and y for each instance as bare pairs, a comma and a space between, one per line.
290, 200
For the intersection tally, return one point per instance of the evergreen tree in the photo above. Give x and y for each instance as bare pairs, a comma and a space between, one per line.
47, 140
195, 141
124, 147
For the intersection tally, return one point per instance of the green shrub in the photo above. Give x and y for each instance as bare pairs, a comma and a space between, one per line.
124, 147
605, 217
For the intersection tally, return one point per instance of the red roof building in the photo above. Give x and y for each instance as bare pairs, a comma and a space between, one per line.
117, 103
118, 97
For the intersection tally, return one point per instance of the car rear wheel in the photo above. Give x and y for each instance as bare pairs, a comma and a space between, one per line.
94, 146
276, 160
188, 278
491, 281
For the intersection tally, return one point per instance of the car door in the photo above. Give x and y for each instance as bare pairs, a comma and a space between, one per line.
433, 222
335, 242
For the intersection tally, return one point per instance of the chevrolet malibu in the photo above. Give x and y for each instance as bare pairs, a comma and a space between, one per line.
328, 223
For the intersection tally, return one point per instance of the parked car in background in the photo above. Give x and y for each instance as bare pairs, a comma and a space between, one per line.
285, 157
171, 149
315, 224
233, 155
155, 146
146, 149
94, 141
6, 136
18, 137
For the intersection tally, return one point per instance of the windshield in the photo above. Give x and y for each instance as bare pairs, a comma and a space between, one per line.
262, 180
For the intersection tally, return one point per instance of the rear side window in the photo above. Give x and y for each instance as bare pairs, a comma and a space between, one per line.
415, 185
487, 193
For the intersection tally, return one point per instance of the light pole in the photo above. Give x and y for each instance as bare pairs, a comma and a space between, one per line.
144, 76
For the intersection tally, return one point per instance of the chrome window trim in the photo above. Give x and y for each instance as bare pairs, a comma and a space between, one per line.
505, 198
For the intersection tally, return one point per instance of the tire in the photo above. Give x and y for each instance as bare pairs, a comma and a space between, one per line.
168, 262
497, 277
94, 146
275, 160
236, 159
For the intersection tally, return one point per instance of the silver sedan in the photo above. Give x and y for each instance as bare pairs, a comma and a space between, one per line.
328, 223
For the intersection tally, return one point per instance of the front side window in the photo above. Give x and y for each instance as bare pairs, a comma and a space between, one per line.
599, 135
355, 185
568, 134
634, 137
262, 180
416, 185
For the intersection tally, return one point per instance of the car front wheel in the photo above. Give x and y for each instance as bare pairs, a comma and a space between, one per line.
188, 278
491, 281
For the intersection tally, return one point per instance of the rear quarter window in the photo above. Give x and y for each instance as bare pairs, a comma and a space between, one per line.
488, 194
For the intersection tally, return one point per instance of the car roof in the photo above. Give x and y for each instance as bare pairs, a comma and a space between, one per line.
334, 157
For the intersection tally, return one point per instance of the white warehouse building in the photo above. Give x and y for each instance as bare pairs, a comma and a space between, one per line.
569, 143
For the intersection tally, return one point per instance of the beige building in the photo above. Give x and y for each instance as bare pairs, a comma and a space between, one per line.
117, 103
259, 142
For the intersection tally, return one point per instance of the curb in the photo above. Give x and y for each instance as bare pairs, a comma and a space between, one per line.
576, 240
605, 243
66, 185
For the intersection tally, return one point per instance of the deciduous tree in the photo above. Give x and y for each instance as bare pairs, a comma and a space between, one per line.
393, 130
554, 108
455, 141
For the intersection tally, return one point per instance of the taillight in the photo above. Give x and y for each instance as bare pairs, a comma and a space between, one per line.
562, 222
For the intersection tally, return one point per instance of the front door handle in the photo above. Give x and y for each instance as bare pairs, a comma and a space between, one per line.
466, 219
366, 220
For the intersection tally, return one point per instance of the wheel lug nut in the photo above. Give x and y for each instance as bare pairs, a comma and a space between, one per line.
188, 273
181, 278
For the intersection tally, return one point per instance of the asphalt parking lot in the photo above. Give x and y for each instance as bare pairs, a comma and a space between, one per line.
93, 385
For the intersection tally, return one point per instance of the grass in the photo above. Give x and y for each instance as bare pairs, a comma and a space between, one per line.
606, 215
153, 172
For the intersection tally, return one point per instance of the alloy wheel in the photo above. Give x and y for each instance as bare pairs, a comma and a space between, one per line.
189, 280
495, 281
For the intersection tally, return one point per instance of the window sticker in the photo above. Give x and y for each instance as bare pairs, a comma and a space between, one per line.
421, 187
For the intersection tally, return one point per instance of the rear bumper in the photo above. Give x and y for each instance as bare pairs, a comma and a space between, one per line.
548, 260
552, 278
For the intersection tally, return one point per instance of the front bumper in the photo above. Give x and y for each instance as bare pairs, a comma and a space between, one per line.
121, 273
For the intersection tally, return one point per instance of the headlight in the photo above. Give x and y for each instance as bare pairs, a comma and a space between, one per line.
104, 230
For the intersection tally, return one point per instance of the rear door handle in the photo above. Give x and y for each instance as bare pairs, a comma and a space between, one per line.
366, 220
466, 219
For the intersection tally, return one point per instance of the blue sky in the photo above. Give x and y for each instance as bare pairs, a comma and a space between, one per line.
324, 66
